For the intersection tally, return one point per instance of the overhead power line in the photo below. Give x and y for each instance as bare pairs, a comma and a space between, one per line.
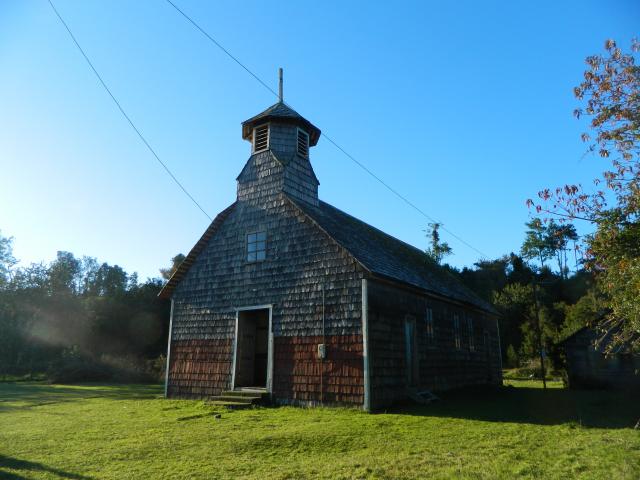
329, 139
125, 115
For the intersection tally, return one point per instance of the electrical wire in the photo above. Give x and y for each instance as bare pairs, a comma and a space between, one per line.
329, 139
265, 85
124, 114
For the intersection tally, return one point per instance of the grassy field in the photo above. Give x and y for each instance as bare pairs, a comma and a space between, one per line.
102, 431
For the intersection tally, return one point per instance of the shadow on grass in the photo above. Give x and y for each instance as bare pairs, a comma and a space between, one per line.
523, 404
554, 406
24, 466
25, 395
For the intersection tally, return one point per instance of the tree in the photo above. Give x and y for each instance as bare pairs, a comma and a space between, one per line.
79, 315
611, 95
7, 260
175, 263
64, 274
521, 302
587, 311
512, 357
614, 254
558, 238
438, 249
487, 276
536, 243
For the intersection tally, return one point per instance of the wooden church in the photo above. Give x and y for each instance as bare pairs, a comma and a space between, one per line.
288, 295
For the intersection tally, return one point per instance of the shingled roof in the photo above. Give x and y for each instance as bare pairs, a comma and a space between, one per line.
602, 342
282, 112
389, 257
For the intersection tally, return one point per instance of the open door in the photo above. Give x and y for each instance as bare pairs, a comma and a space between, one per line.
252, 348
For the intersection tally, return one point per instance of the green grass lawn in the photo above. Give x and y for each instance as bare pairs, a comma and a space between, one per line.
106, 431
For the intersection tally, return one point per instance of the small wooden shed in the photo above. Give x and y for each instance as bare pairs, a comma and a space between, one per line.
286, 293
589, 367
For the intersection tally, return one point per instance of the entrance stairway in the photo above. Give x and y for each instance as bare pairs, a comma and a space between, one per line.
244, 397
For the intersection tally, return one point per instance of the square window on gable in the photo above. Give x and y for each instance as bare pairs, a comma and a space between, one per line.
256, 246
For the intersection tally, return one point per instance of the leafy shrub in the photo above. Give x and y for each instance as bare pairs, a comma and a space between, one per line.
75, 367
513, 361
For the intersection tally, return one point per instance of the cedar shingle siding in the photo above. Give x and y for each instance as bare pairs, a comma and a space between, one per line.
440, 365
318, 261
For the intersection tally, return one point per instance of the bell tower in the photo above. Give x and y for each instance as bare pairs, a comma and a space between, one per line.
280, 143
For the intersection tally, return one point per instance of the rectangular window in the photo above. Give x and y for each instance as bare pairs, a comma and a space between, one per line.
303, 143
428, 319
261, 138
256, 246
456, 331
472, 345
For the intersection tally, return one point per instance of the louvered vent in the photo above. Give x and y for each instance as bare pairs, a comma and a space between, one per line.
261, 138
303, 143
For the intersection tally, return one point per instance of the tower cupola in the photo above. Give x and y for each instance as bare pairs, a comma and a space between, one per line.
280, 116
258, 131
282, 135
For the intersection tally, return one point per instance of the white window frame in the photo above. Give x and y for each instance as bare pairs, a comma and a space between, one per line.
470, 333
268, 125
456, 331
298, 132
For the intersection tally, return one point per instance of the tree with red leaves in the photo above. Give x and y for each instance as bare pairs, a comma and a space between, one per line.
610, 93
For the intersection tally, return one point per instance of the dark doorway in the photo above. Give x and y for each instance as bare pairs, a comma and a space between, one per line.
252, 348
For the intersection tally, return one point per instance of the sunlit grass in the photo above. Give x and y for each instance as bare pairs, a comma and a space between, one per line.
115, 432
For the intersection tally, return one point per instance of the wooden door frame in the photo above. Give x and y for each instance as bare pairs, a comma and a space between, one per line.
234, 365
413, 361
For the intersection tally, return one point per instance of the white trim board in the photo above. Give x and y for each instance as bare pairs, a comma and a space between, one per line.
269, 345
166, 373
365, 347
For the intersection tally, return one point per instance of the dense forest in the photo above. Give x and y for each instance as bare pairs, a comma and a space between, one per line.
77, 319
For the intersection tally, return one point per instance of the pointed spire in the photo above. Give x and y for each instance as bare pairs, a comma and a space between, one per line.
280, 95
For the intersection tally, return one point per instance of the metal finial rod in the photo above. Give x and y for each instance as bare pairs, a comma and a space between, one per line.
280, 95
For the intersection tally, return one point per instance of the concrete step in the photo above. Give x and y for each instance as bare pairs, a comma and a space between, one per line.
241, 398
246, 393
236, 398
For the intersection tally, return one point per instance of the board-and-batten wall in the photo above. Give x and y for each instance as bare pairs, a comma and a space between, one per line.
441, 365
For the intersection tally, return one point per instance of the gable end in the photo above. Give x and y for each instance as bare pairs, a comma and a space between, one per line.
186, 264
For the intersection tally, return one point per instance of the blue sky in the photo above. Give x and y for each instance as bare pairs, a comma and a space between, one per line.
464, 107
